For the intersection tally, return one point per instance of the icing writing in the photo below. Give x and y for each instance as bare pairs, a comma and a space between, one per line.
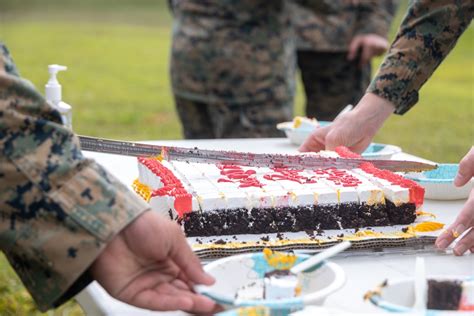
236, 174
338, 177
289, 174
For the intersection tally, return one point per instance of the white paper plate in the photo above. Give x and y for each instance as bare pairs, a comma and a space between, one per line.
232, 273
398, 296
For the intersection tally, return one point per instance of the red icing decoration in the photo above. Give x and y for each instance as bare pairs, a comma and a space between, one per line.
290, 175
417, 192
224, 180
345, 152
172, 186
236, 174
183, 203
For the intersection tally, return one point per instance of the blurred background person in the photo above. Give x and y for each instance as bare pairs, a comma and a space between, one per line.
233, 66
335, 50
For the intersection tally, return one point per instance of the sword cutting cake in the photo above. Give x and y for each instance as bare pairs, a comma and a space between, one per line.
213, 200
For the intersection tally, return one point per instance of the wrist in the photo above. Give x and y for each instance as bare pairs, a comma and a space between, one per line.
374, 110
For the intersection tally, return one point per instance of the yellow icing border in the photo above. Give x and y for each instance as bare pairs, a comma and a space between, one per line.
142, 189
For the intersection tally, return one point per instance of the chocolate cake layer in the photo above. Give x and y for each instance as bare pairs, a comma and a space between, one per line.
444, 295
295, 219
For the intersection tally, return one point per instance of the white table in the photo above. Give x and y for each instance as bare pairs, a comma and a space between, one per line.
363, 272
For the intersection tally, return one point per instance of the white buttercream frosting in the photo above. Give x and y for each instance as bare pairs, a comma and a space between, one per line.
212, 190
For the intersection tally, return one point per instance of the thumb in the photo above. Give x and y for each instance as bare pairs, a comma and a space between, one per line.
187, 261
466, 169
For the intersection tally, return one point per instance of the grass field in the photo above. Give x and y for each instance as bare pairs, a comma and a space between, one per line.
118, 51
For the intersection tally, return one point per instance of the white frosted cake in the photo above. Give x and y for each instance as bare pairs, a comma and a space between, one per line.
212, 199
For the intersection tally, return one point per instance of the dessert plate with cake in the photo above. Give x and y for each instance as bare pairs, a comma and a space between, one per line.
445, 295
263, 279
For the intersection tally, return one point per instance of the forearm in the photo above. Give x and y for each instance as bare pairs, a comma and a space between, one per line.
58, 209
428, 33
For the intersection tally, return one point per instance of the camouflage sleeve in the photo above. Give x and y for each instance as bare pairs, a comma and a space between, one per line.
58, 210
427, 34
375, 17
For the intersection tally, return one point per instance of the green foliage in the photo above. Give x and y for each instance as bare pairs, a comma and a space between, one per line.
118, 84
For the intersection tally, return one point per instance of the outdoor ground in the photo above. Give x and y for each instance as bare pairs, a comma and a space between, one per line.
118, 84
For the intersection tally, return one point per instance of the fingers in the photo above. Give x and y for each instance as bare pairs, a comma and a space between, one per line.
366, 55
466, 169
467, 242
187, 261
464, 221
316, 141
354, 48
167, 298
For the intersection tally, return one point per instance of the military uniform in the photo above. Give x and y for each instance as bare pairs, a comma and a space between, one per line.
232, 67
58, 209
330, 80
428, 32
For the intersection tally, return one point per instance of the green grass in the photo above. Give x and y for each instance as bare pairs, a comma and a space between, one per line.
118, 84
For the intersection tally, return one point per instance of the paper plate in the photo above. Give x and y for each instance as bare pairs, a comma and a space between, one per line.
439, 183
298, 135
232, 273
398, 296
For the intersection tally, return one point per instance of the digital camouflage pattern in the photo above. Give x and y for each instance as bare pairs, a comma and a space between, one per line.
58, 209
219, 120
331, 82
333, 30
238, 54
427, 34
232, 51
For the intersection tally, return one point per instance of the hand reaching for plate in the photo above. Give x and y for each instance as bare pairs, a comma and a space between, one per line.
465, 219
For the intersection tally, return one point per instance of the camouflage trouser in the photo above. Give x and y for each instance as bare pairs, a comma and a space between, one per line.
331, 82
203, 121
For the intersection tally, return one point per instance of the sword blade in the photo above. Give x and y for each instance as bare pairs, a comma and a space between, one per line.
305, 161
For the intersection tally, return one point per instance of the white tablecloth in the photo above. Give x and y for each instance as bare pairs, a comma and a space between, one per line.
363, 272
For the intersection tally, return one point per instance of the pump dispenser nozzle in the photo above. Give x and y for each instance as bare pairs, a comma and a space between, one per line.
53, 88
53, 93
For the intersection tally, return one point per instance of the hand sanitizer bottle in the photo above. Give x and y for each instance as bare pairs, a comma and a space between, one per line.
53, 93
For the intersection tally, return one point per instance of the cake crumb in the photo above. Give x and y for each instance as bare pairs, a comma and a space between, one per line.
405, 229
340, 235
265, 238
220, 242
356, 230
280, 236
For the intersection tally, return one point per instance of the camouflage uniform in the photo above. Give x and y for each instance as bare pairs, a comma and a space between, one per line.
428, 32
330, 80
58, 209
233, 66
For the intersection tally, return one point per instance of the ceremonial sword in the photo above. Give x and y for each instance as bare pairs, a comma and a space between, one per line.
292, 161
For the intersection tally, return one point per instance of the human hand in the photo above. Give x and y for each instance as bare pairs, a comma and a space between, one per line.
354, 129
150, 265
465, 219
369, 46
